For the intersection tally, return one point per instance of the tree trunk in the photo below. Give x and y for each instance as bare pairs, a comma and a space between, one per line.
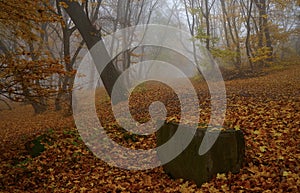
63, 90
99, 54
38, 107
248, 47
207, 22
263, 27
238, 58
234, 36
9, 107
224, 22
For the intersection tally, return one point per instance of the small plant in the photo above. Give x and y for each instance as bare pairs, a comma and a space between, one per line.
128, 136
36, 146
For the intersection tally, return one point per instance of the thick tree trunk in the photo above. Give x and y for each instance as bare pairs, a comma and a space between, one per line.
38, 107
99, 54
9, 107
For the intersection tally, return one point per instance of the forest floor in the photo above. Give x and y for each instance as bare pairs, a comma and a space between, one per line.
265, 108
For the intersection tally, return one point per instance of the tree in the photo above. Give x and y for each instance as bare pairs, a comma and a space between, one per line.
67, 82
264, 32
246, 10
230, 23
25, 65
127, 13
92, 36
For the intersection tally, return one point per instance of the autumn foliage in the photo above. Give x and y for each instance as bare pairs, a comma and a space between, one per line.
45, 153
27, 67
265, 108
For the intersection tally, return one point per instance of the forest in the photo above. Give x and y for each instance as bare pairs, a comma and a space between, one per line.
68, 66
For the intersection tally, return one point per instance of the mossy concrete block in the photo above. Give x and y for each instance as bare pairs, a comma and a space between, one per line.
227, 154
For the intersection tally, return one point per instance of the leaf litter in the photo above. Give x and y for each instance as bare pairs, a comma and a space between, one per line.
266, 109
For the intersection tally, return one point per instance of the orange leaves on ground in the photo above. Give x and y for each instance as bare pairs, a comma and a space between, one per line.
266, 109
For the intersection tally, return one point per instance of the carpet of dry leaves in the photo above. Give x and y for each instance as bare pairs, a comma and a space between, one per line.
265, 108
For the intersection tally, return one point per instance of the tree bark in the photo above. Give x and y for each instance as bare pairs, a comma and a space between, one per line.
9, 107
224, 22
100, 56
234, 36
207, 22
264, 28
248, 47
67, 32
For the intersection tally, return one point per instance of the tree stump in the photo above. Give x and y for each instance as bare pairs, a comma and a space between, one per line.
226, 155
